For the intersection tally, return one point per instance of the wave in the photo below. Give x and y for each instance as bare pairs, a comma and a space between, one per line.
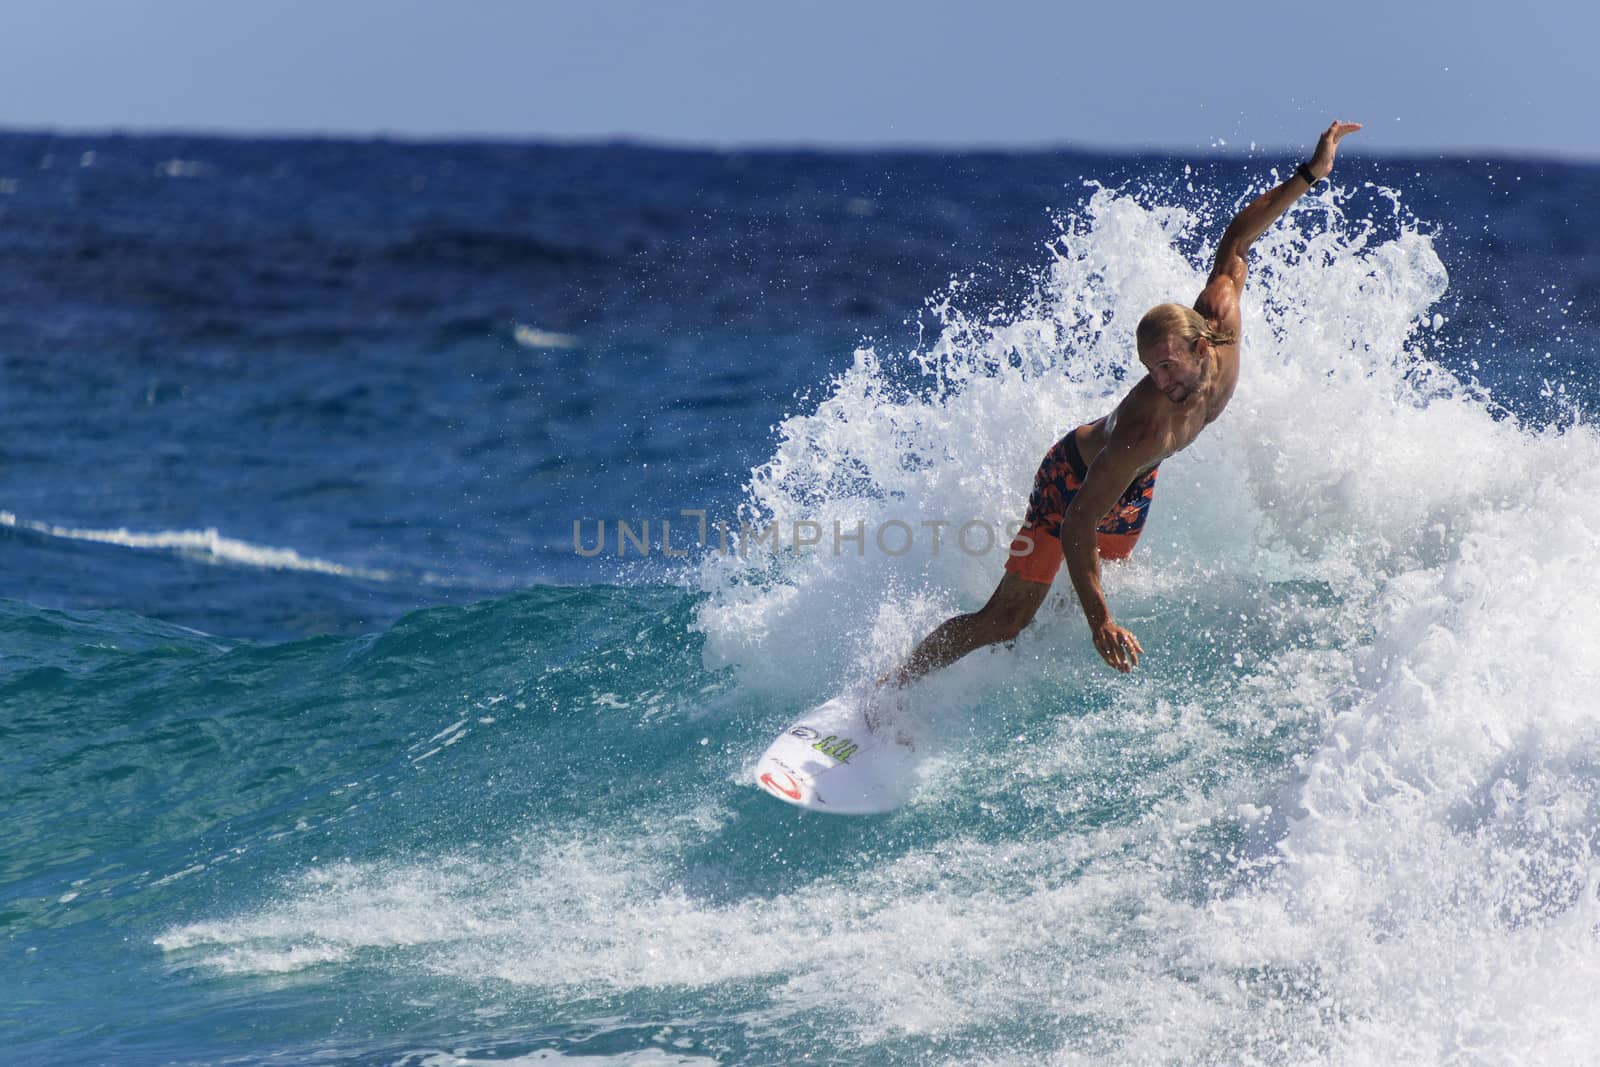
1367, 565
1345, 811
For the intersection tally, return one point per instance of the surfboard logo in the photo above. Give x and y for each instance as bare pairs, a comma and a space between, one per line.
772, 785
835, 747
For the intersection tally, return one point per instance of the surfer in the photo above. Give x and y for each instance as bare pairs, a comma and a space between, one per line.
1092, 493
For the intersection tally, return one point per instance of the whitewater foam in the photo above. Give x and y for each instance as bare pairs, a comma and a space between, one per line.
208, 544
1429, 863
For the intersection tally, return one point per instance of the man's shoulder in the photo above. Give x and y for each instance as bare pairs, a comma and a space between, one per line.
1219, 302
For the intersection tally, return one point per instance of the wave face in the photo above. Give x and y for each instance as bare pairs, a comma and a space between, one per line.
1343, 813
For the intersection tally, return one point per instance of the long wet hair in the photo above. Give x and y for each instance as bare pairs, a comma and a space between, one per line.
1167, 320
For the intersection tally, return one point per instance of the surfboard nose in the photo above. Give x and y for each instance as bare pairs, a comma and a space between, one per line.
783, 785
830, 760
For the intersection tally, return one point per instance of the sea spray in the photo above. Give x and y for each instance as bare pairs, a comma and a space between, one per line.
961, 441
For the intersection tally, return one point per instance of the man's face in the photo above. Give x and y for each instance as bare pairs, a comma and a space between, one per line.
1174, 368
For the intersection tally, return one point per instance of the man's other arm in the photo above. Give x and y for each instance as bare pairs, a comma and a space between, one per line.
1226, 282
1136, 444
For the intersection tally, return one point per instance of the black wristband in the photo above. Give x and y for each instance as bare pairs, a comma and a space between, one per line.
1304, 171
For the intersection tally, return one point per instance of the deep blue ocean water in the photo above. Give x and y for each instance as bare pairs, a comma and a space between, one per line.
324, 742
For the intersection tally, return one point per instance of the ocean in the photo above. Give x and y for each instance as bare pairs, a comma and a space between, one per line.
406, 550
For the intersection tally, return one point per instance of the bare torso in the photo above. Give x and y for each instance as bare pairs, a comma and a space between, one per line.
1185, 420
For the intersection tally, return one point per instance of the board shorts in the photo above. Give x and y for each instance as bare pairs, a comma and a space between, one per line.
1036, 552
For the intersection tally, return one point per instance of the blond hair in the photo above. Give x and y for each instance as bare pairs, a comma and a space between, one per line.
1175, 320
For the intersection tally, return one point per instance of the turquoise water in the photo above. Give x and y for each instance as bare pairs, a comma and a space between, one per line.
370, 848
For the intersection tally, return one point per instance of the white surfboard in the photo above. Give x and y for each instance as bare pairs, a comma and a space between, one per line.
830, 760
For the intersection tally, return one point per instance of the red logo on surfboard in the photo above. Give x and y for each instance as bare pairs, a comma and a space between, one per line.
792, 790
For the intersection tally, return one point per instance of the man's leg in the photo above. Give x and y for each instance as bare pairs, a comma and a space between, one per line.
1008, 611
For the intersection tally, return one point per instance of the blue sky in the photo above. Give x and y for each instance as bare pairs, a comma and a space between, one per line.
1467, 76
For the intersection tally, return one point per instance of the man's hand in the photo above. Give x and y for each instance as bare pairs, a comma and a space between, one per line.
1117, 646
1322, 159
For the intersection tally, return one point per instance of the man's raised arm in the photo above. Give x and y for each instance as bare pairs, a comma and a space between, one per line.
1267, 208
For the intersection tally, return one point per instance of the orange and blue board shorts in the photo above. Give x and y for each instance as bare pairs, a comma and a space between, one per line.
1036, 552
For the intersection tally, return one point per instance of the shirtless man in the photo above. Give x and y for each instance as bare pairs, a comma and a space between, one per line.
1092, 492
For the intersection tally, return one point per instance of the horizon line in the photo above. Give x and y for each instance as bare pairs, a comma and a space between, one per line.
1219, 149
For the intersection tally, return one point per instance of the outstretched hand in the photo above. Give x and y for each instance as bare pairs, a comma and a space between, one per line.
1322, 159
1117, 646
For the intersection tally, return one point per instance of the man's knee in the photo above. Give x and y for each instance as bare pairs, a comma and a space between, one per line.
1011, 608
1003, 622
